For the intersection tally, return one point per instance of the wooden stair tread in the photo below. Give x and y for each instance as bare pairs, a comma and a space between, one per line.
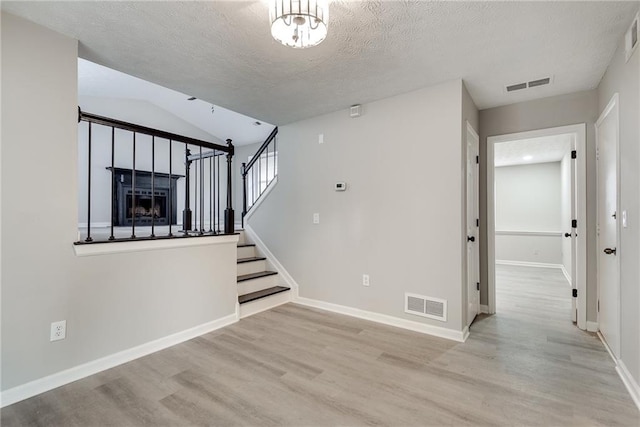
251, 259
244, 245
250, 276
261, 294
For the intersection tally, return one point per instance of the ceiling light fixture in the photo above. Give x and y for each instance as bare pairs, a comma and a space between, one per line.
299, 23
527, 158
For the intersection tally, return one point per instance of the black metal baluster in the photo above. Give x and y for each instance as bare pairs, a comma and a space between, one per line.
153, 185
89, 239
201, 193
244, 191
133, 191
113, 179
218, 211
186, 213
195, 197
211, 193
170, 191
267, 158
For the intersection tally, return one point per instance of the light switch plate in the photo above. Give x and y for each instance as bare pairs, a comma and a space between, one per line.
624, 219
321, 138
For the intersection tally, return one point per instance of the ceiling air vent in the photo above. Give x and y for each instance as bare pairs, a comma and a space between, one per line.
540, 82
518, 86
631, 38
529, 84
420, 305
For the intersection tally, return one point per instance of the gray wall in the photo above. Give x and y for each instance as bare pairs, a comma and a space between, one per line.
624, 78
399, 220
528, 200
575, 108
111, 302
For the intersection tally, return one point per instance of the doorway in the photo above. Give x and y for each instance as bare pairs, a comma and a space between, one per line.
566, 235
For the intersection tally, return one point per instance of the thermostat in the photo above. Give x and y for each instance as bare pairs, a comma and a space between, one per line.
341, 186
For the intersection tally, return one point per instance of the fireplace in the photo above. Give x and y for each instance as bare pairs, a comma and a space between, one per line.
144, 205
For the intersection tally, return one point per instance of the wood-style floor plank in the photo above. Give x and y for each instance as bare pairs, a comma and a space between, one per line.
296, 366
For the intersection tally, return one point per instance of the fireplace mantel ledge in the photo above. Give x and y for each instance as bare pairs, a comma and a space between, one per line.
153, 245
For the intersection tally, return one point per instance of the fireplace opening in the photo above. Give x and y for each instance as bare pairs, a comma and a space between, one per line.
146, 206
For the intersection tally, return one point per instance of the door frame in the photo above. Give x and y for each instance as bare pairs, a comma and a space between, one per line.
613, 103
580, 131
471, 131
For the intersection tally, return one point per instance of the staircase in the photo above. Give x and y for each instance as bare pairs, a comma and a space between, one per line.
259, 286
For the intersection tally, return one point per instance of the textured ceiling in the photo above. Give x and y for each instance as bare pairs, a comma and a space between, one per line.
96, 80
223, 53
540, 150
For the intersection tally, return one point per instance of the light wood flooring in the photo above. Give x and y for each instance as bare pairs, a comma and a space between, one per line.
295, 366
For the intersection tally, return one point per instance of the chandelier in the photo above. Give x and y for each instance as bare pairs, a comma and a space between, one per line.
299, 23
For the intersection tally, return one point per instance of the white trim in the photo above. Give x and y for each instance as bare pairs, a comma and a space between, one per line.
41, 385
568, 277
627, 379
94, 225
629, 382
484, 308
465, 334
261, 199
528, 264
579, 130
152, 245
262, 247
528, 233
437, 331
592, 326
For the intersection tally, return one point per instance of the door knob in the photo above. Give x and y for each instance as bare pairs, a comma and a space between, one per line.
471, 238
567, 234
610, 251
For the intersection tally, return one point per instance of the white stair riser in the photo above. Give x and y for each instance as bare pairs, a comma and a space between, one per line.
262, 304
255, 285
251, 267
246, 252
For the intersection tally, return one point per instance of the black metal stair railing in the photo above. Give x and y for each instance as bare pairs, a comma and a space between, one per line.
259, 172
144, 203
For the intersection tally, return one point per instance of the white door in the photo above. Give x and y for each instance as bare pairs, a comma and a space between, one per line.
473, 253
607, 228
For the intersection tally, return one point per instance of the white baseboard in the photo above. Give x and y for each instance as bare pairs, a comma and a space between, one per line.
437, 331
484, 309
41, 385
528, 264
627, 379
566, 275
592, 326
289, 280
629, 382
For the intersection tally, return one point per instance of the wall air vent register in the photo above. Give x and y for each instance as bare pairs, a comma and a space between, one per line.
420, 305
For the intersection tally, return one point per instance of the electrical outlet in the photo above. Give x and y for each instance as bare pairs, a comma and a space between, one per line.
316, 218
365, 280
58, 330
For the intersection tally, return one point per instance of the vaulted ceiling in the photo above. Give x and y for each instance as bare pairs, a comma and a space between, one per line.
223, 53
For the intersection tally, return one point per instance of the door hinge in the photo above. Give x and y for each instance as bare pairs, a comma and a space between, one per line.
574, 154
477, 159
477, 222
575, 293
478, 285
574, 223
